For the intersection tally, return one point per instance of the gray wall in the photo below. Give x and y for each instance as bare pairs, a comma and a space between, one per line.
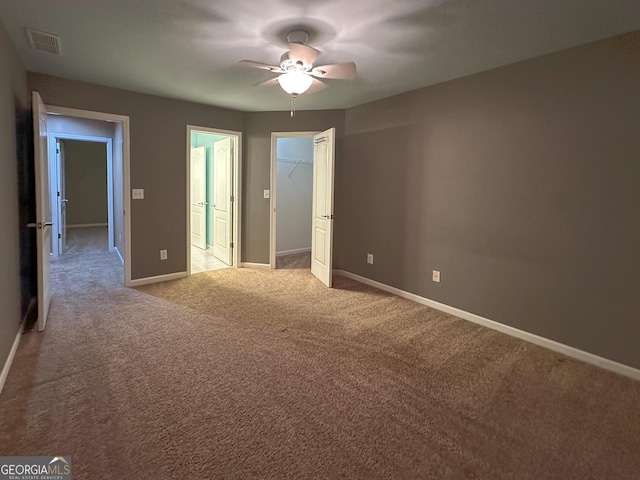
85, 172
16, 287
158, 129
256, 169
520, 184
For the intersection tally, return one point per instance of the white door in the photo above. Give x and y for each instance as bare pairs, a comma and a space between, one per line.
43, 207
62, 207
322, 221
222, 202
198, 173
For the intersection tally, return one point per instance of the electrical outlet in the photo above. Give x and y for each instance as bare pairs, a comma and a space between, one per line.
370, 258
163, 254
266, 193
436, 276
137, 194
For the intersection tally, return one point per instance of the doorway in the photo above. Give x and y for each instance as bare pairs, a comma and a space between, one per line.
307, 200
292, 198
102, 130
44, 116
213, 173
81, 191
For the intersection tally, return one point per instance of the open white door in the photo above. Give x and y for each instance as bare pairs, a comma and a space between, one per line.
43, 207
322, 223
222, 201
198, 175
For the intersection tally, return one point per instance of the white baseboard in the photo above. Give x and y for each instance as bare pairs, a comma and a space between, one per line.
12, 354
291, 252
88, 225
158, 278
567, 350
255, 265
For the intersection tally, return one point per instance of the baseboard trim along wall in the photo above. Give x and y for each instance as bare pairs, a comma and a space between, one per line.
12, 354
255, 265
88, 225
291, 252
573, 352
158, 278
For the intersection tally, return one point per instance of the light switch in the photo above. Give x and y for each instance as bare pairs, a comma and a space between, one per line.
266, 194
137, 193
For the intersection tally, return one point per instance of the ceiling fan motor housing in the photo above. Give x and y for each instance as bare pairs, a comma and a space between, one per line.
288, 64
298, 36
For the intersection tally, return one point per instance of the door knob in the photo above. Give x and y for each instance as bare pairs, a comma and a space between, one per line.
328, 217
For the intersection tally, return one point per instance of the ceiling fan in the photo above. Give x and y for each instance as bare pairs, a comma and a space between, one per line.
297, 73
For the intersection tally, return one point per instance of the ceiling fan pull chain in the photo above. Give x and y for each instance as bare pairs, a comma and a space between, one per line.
293, 105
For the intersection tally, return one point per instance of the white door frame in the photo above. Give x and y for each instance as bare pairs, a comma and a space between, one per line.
237, 191
56, 172
272, 202
124, 121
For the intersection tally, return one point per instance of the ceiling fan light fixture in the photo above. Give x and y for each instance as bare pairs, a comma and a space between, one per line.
296, 82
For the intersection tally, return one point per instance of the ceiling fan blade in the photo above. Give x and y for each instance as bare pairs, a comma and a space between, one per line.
269, 83
304, 53
342, 71
316, 86
261, 65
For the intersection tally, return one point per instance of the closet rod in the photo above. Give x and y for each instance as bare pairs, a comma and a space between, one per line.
294, 168
286, 160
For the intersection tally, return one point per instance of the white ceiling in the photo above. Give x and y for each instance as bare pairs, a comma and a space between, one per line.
189, 49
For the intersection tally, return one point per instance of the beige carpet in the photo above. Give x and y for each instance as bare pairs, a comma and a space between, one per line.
86, 239
294, 261
246, 374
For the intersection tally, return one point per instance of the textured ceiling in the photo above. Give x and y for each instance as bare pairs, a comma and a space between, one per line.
189, 49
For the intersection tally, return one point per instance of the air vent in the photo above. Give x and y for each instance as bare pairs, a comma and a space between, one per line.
43, 42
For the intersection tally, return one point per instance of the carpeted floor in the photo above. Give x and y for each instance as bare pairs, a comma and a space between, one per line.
247, 374
86, 239
294, 261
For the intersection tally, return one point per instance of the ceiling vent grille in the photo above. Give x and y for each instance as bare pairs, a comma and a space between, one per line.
43, 42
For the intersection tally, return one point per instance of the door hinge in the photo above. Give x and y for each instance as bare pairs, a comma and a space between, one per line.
59, 236
232, 199
231, 245
58, 193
